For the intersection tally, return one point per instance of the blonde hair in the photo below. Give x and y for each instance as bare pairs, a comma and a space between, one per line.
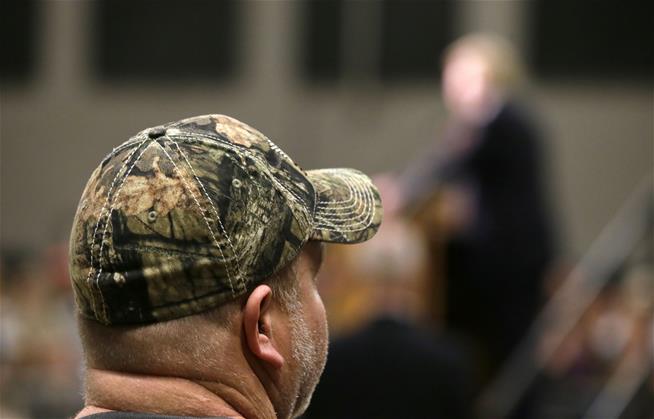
506, 68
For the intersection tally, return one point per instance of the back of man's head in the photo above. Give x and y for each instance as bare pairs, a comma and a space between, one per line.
194, 254
198, 342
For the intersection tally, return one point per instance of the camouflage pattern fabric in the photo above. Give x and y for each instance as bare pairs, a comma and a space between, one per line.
185, 216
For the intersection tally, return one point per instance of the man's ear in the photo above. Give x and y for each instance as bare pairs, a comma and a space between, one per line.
257, 322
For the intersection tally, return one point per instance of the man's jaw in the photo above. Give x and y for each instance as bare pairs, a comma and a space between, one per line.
309, 355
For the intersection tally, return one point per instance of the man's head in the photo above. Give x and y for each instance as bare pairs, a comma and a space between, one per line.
194, 254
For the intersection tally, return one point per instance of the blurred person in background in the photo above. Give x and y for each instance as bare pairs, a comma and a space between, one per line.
39, 349
194, 256
607, 352
391, 364
487, 172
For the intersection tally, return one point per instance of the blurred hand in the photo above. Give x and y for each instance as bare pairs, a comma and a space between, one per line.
456, 210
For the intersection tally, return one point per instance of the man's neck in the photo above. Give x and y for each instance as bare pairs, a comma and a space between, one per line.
109, 390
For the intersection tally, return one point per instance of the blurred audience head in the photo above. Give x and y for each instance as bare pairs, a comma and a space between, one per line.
393, 262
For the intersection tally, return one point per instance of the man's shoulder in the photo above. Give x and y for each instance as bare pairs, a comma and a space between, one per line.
137, 415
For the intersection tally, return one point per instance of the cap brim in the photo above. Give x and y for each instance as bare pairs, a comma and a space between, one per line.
348, 206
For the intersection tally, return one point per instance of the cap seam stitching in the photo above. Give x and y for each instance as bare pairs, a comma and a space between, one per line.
246, 151
215, 212
355, 191
168, 252
244, 169
369, 199
104, 231
348, 200
127, 144
206, 220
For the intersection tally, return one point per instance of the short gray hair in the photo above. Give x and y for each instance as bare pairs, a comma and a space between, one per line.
130, 348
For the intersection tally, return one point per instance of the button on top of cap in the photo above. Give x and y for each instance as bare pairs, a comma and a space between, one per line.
157, 132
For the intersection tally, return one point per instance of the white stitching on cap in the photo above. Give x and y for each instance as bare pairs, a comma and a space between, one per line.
206, 220
330, 226
348, 201
272, 177
236, 164
315, 200
233, 160
97, 224
111, 187
355, 190
126, 144
215, 211
104, 231
281, 188
338, 173
274, 180
276, 148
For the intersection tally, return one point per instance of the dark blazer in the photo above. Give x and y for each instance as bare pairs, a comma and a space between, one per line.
496, 268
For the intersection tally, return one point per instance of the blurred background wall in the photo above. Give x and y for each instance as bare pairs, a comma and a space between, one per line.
333, 83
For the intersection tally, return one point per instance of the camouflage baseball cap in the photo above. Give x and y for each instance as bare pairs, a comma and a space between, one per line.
185, 216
